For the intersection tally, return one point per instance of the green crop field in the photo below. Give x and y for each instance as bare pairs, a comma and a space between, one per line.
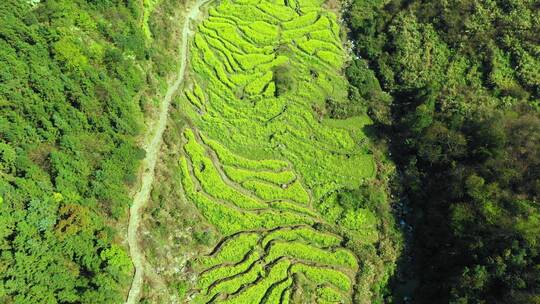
261, 165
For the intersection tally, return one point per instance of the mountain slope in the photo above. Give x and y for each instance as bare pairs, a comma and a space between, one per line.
75, 84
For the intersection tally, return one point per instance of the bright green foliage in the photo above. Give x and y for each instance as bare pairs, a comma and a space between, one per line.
283, 205
232, 284
194, 100
326, 294
149, 6
265, 28
277, 295
309, 253
286, 297
306, 234
278, 11
251, 61
259, 160
233, 250
270, 90
70, 53
330, 58
226, 271
323, 23
241, 175
321, 275
228, 158
117, 259
323, 35
358, 220
311, 46
302, 21
294, 191
254, 293
211, 181
256, 87
260, 32
227, 218
240, 260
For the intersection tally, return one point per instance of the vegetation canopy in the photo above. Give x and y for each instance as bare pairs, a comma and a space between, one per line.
265, 164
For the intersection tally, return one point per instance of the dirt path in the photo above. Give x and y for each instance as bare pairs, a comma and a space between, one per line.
149, 162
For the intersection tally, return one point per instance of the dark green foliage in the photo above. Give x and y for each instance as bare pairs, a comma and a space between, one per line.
365, 91
465, 129
182, 287
284, 80
204, 237
68, 121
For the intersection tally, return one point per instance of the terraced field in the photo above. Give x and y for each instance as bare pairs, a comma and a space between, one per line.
263, 165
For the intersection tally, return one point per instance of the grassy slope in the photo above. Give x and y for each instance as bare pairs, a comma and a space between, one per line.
263, 100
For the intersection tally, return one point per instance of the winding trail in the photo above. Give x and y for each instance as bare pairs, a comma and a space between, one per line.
149, 163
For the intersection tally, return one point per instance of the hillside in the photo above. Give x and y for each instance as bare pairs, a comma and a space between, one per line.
273, 164
78, 82
269, 151
464, 125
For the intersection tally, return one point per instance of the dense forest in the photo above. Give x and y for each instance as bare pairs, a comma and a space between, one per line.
75, 83
454, 87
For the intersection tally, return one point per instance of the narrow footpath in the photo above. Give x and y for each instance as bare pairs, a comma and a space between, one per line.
149, 162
